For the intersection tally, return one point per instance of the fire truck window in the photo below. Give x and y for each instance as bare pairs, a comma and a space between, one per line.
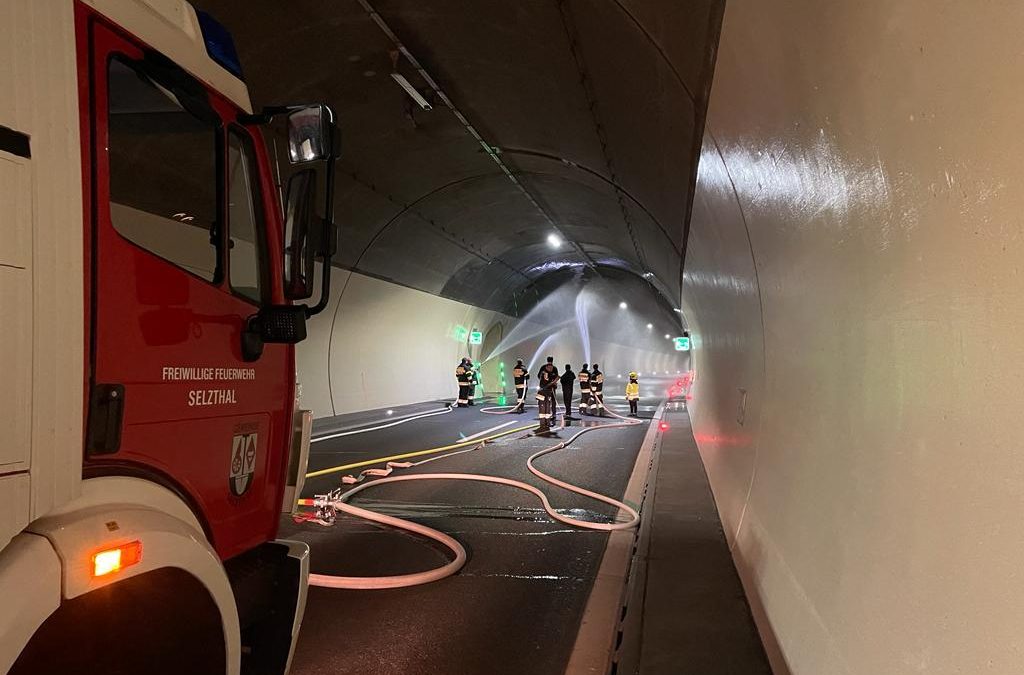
163, 172
245, 217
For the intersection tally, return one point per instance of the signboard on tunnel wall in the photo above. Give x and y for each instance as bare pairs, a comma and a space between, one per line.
682, 344
476, 337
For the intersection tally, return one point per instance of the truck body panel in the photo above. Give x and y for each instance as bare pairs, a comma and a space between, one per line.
184, 230
132, 258
41, 260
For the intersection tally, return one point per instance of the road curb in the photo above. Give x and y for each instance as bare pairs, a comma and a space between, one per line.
597, 639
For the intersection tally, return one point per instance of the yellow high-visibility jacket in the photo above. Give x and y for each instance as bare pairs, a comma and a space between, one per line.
632, 391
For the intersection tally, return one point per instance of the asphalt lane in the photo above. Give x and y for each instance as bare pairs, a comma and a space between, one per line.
429, 432
516, 605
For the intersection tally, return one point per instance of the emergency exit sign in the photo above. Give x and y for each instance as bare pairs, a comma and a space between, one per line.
682, 344
476, 337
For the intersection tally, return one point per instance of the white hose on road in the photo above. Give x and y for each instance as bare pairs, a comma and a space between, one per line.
339, 503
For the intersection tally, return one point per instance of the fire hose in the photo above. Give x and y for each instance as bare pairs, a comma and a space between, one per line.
326, 507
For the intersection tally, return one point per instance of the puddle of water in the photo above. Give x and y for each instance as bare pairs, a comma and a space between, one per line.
517, 513
528, 577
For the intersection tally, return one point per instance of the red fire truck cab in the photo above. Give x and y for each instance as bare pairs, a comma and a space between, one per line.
151, 278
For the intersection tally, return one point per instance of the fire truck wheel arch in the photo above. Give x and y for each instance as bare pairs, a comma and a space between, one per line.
111, 511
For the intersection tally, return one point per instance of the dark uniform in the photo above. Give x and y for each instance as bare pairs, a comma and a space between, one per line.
547, 382
462, 377
568, 383
474, 381
584, 390
521, 375
596, 391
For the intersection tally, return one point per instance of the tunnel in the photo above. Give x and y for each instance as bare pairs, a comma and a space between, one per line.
819, 195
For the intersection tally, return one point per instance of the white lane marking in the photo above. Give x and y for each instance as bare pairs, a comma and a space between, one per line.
487, 431
382, 426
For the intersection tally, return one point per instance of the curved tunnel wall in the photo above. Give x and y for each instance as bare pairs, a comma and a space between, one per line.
855, 267
380, 344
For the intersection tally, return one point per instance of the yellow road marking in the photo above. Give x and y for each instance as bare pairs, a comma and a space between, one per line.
381, 460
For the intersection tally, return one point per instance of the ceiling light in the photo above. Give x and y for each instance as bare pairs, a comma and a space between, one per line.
650, 326
648, 275
677, 310
554, 241
623, 305
411, 90
667, 336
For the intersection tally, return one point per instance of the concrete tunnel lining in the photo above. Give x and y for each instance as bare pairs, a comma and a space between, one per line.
395, 155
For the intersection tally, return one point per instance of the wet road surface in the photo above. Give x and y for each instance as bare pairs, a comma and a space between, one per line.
515, 607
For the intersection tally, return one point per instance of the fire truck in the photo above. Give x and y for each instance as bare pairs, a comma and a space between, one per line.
153, 268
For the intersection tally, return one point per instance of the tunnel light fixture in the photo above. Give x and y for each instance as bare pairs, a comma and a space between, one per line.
554, 241
648, 275
667, 336
650, 326
623, 305
677, 310
411, 90
391, 412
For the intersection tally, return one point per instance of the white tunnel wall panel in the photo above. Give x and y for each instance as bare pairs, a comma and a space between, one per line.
872, 156
379, 345
722, 306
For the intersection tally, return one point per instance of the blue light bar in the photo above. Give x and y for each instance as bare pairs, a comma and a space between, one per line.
219, 44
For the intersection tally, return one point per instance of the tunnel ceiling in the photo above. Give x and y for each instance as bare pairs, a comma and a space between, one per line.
589, 115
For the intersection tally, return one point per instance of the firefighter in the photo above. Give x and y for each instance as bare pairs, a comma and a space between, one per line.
521, 375
568, 381
633, 394
474, 380
547, 383
596, 391
462, 377
584, 390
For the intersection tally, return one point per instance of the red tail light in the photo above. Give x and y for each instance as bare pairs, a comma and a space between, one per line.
663, 426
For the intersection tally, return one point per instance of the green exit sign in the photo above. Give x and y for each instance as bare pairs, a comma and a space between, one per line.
476, 337
682, 344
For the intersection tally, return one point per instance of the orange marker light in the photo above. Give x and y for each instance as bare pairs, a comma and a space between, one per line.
111, 560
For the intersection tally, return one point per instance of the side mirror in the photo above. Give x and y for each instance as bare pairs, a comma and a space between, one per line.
274, 324
309, 134
299, 252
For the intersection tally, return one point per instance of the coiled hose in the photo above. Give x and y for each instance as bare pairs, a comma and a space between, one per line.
333, 502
